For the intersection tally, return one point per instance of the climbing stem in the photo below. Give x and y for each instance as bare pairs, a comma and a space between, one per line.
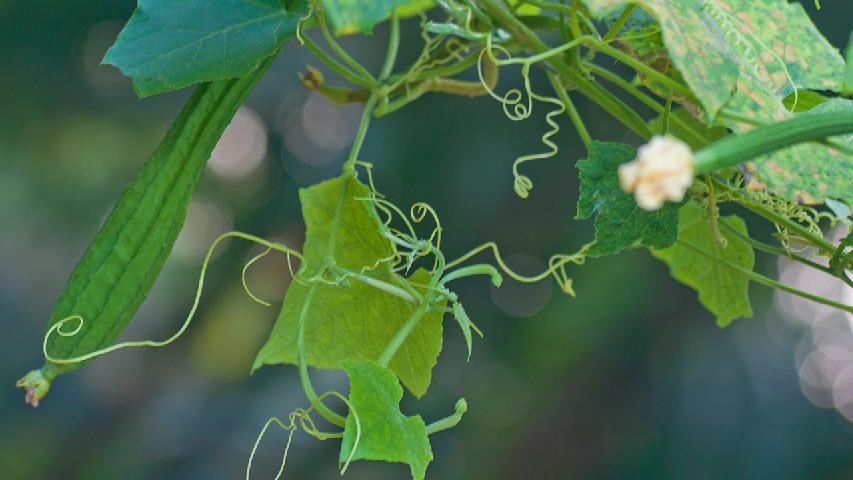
409, 325
650, 102
343, 55
758, 278
819, 242
304, 377
361, 133
587, 87
393, 47
784, 253
333, 64
614, 29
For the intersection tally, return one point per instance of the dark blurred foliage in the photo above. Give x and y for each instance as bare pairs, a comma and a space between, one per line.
631, 379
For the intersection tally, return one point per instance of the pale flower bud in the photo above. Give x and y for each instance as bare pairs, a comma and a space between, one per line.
663, 170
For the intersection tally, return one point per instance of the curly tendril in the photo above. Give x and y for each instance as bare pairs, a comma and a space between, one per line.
556, 265
518, 105
306, 423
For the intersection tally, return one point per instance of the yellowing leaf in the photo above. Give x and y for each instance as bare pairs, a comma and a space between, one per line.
766, 46
696, 260
386, 434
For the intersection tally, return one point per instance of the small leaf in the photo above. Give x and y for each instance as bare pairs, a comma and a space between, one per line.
840, 210
619, 222
722, 290
802, 100
351, 16
386, 434
353, 320
168, 45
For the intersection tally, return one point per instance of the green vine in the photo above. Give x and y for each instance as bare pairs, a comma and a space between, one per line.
368, 265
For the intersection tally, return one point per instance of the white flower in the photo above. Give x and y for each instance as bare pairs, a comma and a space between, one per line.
663, 170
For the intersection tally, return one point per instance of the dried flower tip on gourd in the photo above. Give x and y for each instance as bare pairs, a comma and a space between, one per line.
36, 386
663, 170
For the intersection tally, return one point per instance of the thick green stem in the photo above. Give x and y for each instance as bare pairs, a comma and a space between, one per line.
361, 133
304, 377
734, 149
405, 330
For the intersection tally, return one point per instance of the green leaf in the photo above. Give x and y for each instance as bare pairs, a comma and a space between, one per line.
619, 222
768, 46
352, 320
351, 16
386, 434
802, 100
695, 46
722, 290
168, 45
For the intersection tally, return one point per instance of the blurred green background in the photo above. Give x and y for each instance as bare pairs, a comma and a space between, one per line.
631, 379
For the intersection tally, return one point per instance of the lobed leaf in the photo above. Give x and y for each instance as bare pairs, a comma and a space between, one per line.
168, 45
723, 290
386, 434
352, 320
619, 222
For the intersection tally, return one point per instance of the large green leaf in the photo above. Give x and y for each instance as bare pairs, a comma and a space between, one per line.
386, 434
619, 222
695, 45
765, 51
350, 16
749, 45
722, 289
351, 320
168, 45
